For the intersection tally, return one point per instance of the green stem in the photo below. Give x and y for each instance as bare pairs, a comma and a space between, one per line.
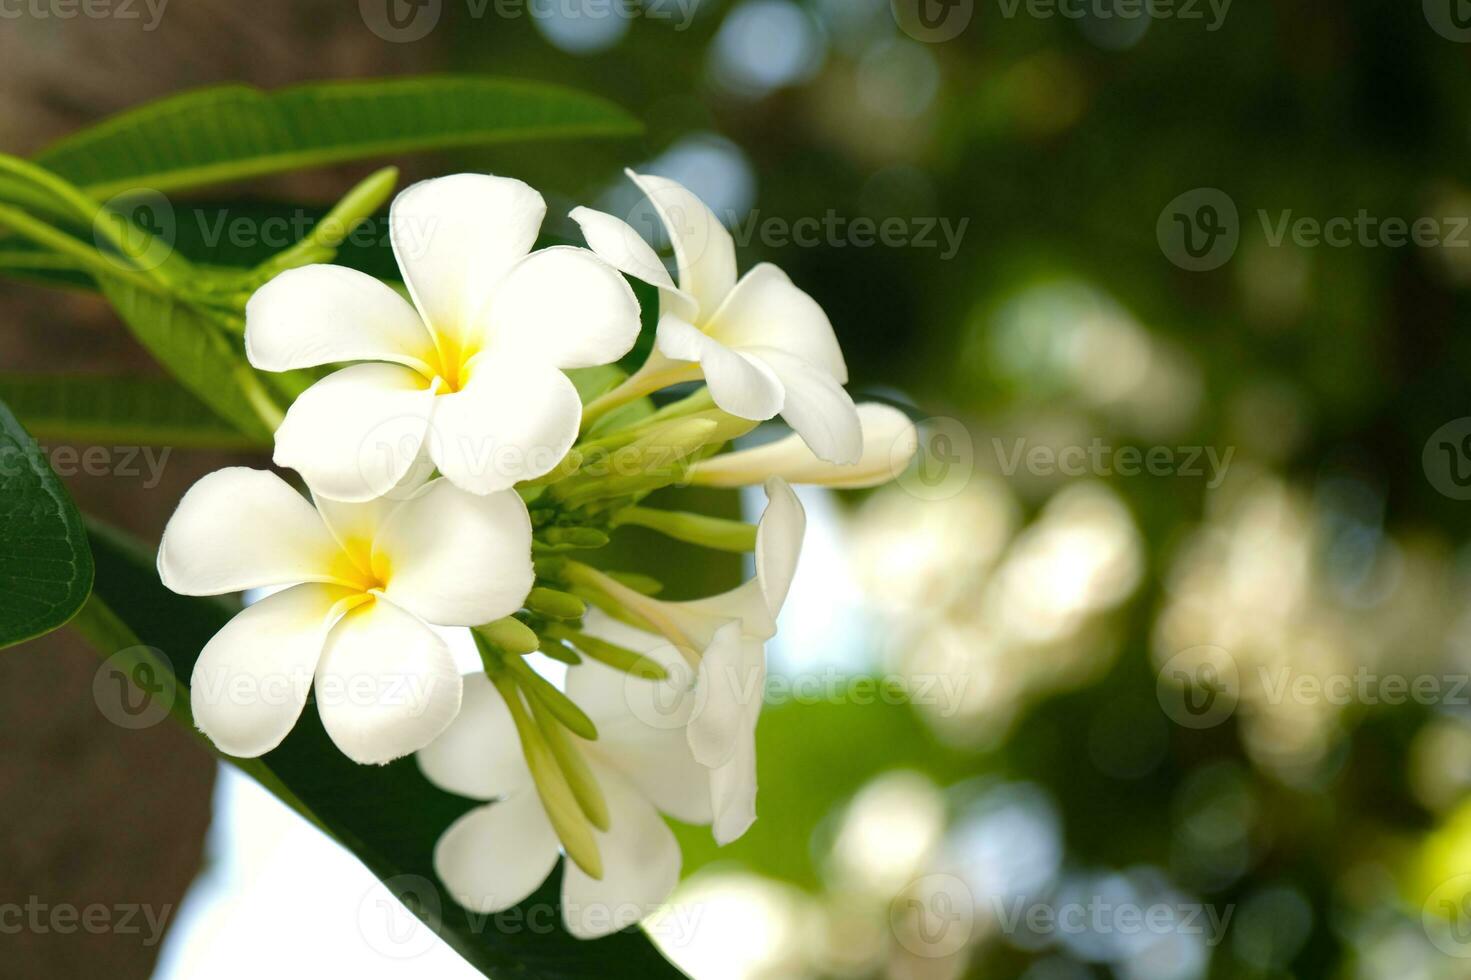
89, 258
573, 763
561, 806
656, 373
708, 532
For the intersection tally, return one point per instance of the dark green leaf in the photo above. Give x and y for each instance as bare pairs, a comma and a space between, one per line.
223, 134
193, 350
388, 816
118, 409
45, 565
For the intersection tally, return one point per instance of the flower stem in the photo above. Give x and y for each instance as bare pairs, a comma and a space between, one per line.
557, 798
708, 532
658, 372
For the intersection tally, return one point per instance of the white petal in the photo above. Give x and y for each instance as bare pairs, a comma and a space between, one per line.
456, 558
890, 441
322, 314
660, 764
495, 856
733, 791
620, 245
514, 421
386, 684
766, 310
238, 529
732, 679
565, 307
479, 754
817, 407
702, 247
740, 384
357, 433
779, 543
455, 238
641, 722
640, 866
612, 696
252, 678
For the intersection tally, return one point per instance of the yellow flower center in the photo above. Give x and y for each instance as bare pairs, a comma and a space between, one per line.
450, 365
358, 567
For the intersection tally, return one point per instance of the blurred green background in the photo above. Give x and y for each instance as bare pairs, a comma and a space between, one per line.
1173, 692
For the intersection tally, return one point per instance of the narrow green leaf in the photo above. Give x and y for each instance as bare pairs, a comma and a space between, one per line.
45, 564
229, 133
194, 351
389, 817
118, 409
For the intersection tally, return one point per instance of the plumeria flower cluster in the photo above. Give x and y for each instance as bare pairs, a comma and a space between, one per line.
456, 475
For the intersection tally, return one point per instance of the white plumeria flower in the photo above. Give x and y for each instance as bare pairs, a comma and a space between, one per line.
494, 856
890, 441
724, 638
364, 581
764, 346
470, 373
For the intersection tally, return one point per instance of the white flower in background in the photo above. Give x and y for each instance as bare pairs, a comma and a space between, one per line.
495, 856
365, 580
890, 441
471, 372
764, 346
723, 638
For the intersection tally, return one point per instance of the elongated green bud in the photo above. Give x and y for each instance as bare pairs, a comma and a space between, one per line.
567, 538
573, 763
567, 466
508, 636
708, 532
642, 584
562, 707
356, 206
555, 604
615, 656
727, 426
656, 460
558, 650
556, 794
